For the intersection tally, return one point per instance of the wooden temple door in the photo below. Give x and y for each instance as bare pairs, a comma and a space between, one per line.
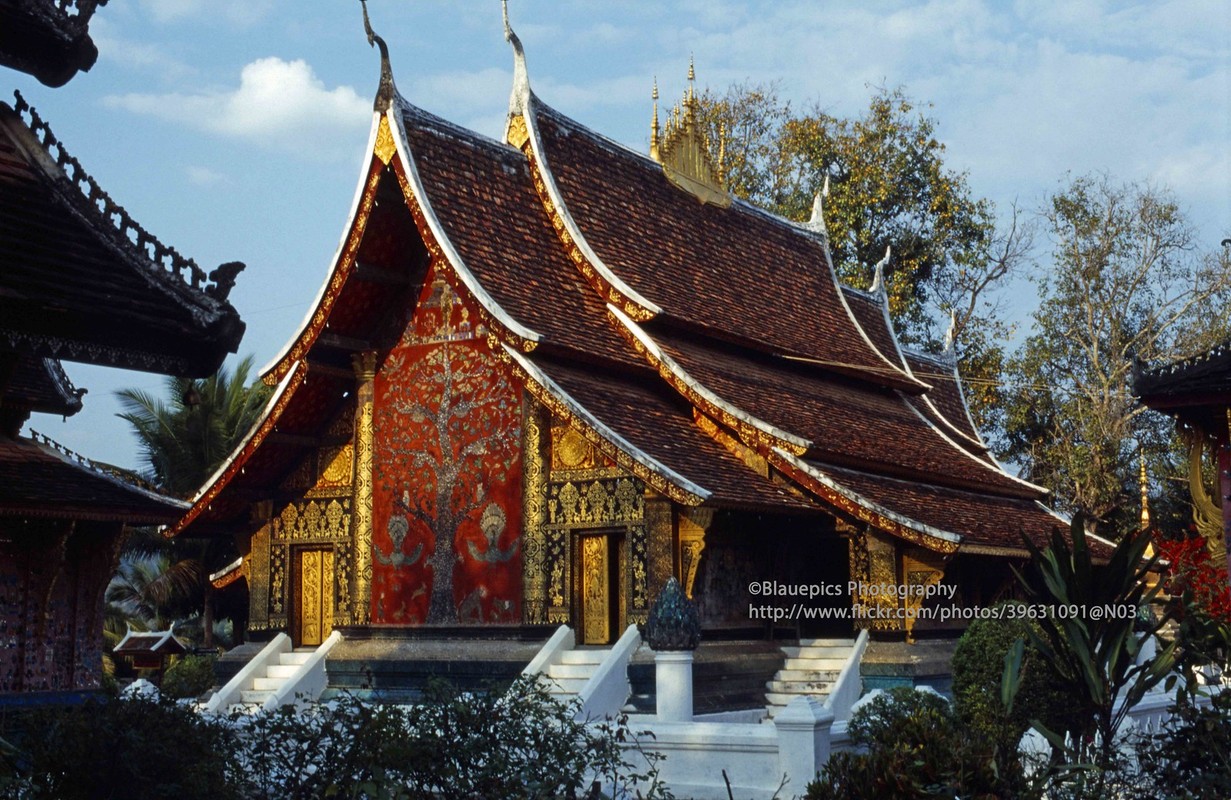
313, 601
597, 577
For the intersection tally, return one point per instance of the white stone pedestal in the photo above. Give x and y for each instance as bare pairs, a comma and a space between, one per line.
673, 685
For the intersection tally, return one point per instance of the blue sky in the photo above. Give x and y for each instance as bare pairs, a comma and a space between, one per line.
235, 129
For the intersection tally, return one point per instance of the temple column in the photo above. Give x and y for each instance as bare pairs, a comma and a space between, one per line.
361, 599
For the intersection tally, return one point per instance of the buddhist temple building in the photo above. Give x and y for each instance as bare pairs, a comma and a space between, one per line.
81, 281
547, 373
1197, 392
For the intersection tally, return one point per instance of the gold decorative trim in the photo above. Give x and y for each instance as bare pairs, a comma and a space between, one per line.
684, 150
605, 290
751, 458
1207, 515
518, 134
365, 374
385, 146
694, 523
534, 513
748, 432
659, 483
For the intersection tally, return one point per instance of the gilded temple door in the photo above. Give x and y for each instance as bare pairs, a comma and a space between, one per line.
598, 610
313, 596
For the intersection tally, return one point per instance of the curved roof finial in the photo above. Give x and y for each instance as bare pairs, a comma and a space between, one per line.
949, 348
387, 91
878, 273
816, 223
521, 76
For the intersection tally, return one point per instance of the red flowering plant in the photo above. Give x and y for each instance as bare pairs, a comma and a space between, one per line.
1201, 603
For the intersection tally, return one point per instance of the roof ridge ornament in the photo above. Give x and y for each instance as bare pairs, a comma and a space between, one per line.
878, 274
684, 149
520, 95
816, 223
387, 93
949, 348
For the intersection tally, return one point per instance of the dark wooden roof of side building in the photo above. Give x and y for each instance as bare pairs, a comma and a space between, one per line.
49, 39
1195, 389
80, 280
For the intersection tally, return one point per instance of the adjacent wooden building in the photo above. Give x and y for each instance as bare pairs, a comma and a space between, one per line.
547, 373
79, 281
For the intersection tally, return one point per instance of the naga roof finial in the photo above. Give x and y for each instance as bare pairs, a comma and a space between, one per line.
949, 348
816, 223
878, 273
387, 91
521, 76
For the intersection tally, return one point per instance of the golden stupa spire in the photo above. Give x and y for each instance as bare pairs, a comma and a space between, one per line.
1145, 494
654, 125
684, 150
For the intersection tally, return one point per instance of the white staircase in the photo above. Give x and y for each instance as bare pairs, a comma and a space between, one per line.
574, 669
278, 675
275, 678
812, 668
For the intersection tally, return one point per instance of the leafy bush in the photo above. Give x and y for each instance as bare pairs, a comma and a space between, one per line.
978, 669
916, 749
521, 743
133, 748
1191, 756
189, 676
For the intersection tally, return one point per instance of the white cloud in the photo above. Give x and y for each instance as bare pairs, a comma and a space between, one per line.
204, 176
278, 103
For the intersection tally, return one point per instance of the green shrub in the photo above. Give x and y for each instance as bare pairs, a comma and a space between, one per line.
978, 667
136, 749
916, 749
521, 743
1191, 756
189, 676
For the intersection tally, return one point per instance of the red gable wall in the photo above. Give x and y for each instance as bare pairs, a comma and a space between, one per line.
447, 473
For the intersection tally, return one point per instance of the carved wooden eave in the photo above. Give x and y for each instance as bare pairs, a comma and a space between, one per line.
614, 290
860, 508
442, 251
522, 133
752, 430
261, 430
389, 149
655, 474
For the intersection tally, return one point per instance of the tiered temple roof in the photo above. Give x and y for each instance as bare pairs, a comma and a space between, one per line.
706, 346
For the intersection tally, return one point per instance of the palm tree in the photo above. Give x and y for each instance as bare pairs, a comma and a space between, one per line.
183, 442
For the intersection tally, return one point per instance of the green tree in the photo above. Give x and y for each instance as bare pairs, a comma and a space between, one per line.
1126, 281
888, 187
183, 441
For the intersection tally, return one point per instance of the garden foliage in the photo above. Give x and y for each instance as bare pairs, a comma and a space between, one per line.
521, 743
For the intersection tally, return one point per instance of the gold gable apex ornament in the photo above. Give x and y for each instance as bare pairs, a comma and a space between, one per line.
684, 149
